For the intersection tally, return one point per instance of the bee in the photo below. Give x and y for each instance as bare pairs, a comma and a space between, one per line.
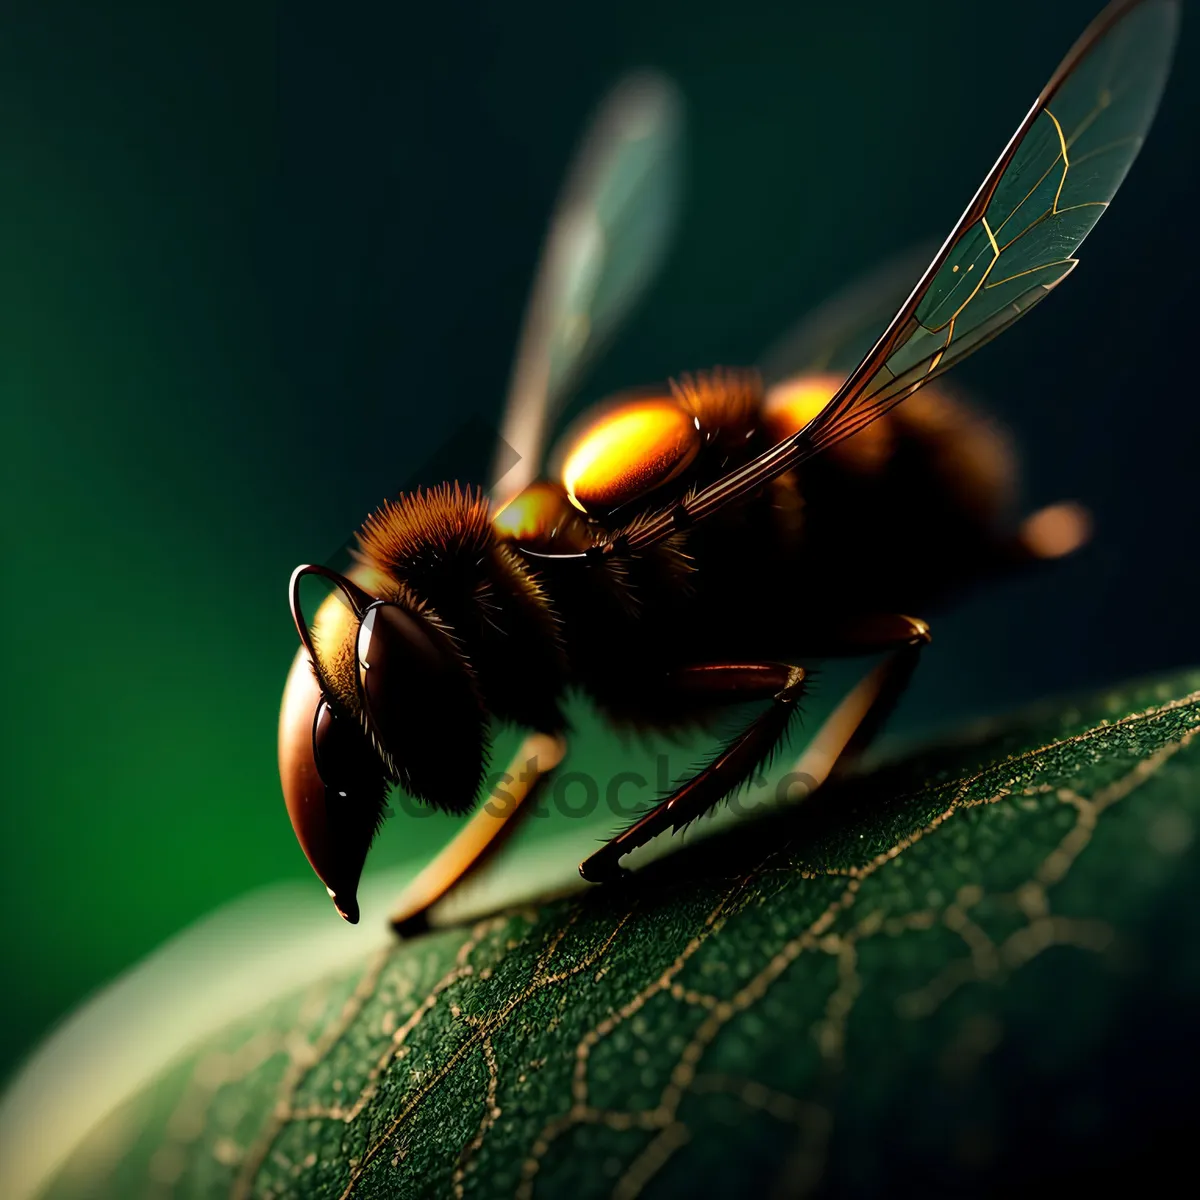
621, 571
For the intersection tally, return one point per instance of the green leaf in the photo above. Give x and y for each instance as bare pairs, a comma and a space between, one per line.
971, 969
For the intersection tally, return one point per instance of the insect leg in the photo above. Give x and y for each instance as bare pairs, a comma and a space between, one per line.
843, 736
733, 766
850, 728
537, 757
867, 635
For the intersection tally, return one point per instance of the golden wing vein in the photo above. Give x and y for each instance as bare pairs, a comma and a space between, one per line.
1110, 90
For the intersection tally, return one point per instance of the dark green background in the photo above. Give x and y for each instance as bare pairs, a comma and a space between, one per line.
258, 261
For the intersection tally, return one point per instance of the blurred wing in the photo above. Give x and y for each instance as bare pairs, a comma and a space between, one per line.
1016, 241
605, 242
833, 338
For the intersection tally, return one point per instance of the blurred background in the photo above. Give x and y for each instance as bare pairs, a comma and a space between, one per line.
260, 261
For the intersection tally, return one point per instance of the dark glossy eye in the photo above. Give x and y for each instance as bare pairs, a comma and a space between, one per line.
420, 702
333, 783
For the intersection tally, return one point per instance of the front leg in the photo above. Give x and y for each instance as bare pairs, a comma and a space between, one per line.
486, 832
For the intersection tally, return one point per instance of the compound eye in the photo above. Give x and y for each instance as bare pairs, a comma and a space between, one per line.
333, 783
420, 698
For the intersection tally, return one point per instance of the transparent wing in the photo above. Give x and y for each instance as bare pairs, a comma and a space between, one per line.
1014, 244
606, 239
1016, 241
834, 337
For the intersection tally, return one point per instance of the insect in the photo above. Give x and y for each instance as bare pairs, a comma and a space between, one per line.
623, 572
